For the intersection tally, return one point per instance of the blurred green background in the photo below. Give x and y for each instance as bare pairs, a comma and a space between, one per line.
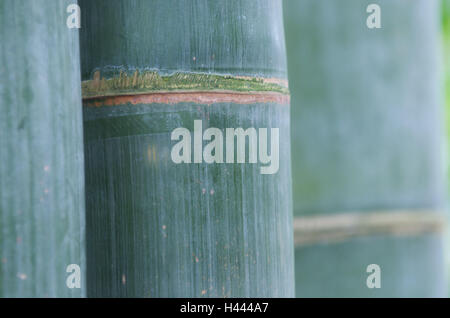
445, 16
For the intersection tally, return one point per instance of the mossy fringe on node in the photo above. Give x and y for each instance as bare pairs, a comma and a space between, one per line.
152, 81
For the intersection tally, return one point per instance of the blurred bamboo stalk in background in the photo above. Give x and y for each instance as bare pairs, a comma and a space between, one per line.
160, 229
41, 152
368, 177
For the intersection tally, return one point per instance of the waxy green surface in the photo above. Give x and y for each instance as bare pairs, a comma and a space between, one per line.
225, 37
186, 230
42, 216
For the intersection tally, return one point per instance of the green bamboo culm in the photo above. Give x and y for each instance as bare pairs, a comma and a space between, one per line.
41, 151
160, 229
368, 178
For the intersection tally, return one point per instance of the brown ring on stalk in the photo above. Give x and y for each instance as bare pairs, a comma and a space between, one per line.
344, 226
207, 98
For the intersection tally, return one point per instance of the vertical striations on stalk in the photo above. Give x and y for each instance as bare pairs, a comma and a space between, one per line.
160, 229
41, 151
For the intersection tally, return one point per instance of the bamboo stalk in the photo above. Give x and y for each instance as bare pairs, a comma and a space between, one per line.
160, 229
41, 151
366, 144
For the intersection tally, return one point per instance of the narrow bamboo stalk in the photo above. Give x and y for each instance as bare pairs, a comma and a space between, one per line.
41, 151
